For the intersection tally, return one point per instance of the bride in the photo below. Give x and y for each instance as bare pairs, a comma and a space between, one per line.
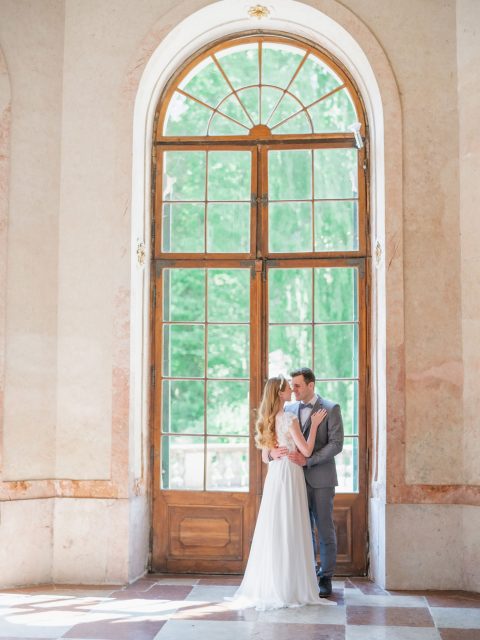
281, 570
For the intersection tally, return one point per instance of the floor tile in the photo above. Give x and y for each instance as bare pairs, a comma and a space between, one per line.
372, 632
287, 631
357, 598
338, 596
177, 581
155, 592
389, 616
310, 614
222, 580
350, 586
211, 593
367, 586
15, 627
213, 611
460, 634
117, 629
158, 609
45, 623
457, 600
205, 630
448, 617
185, 607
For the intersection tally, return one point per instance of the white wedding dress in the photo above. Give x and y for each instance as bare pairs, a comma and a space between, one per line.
280, 570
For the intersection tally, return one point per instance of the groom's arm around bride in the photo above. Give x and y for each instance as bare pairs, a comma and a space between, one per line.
334, 442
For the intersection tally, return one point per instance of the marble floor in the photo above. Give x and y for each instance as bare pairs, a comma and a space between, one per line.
183, 608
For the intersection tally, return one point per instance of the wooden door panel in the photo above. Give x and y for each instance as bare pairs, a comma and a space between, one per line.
204, 533
342, 517
350, 517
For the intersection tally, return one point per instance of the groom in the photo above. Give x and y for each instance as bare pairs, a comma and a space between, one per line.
319, 468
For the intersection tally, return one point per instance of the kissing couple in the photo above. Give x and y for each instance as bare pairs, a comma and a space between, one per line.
299, 441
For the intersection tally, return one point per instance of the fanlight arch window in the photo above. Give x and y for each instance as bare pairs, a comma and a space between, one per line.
221, 194
289, 89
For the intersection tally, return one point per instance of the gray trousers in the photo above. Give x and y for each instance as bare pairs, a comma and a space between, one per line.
320, 505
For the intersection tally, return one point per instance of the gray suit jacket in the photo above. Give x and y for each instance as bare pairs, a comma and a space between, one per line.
320, 470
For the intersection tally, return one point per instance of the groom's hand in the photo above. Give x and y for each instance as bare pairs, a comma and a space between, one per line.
278, 452
297, 458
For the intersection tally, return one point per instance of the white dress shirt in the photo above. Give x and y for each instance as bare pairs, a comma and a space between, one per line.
306, 411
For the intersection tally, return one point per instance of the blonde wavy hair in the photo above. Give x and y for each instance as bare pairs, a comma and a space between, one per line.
270, 405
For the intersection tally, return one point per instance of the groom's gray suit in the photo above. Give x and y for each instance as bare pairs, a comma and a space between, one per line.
321, 476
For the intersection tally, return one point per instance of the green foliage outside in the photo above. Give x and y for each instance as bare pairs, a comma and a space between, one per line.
313, 312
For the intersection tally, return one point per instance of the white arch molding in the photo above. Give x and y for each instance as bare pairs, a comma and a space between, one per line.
341, 33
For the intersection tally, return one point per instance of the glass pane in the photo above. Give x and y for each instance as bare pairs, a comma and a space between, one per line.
183, 406
335, 113
186, 117
290, 227
227, 464
270, 97
287, 107
183, 228
345, 393
228, 351
336, 225
298, 124
336, 295
336, 173
289, 347
227, 407
336, 348
184, 175
314, 80
290, 295
240, 64
228, 295
347, 467
232, 107
229, 175
206, 83
290, 175
184, 351
279, 63
250, 100
184, 295
222, 126
182, 462
228, 228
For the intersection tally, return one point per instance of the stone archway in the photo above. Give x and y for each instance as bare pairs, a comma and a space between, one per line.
347, 38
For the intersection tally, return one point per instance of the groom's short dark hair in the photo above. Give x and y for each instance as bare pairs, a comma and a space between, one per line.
307, 374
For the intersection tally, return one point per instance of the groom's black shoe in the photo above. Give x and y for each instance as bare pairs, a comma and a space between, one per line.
325, 584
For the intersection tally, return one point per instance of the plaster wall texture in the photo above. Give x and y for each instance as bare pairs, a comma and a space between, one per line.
26, 535
33, 51
471, 548
468, 56
420, 41
74, 69
432, 546
91, 537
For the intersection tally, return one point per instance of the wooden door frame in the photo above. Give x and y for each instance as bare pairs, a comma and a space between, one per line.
258, 252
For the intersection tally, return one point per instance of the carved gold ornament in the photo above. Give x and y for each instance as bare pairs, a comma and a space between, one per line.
259, 12
141, 253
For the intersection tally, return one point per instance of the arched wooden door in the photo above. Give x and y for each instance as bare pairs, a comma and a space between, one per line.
260, 265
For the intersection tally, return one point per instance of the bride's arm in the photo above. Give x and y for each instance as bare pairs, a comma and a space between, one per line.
304, 446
